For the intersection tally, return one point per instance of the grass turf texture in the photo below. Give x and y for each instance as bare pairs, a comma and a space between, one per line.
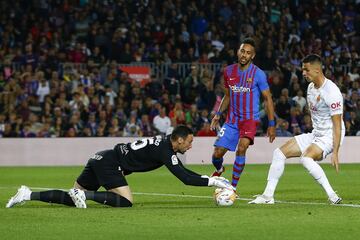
175, 217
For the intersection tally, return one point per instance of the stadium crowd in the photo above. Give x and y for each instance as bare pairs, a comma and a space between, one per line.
40, 98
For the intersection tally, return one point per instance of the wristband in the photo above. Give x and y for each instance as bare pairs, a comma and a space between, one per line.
218, 113
271, 123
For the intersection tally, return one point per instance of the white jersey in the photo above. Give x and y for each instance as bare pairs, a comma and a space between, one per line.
324, 102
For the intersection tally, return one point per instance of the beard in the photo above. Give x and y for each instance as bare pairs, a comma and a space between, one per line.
243, 62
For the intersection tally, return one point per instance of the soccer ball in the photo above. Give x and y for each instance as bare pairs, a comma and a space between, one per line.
224, 197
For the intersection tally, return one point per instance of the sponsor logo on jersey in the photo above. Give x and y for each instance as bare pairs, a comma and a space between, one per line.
235, 88
174, 160
336, 105
97, 157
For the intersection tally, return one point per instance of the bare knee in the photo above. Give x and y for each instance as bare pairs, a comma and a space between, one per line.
241, 150
219, 152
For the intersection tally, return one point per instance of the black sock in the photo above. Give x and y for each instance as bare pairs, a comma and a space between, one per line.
108, 198
53, 196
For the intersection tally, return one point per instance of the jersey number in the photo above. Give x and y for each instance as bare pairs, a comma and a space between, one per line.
222, 131
141, 143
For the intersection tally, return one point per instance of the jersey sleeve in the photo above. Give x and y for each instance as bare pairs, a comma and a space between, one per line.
334, 100
226, 78
261, 80
188, 177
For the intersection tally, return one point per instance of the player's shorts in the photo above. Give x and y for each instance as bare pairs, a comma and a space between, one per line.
102, 169
325, 142
229, 134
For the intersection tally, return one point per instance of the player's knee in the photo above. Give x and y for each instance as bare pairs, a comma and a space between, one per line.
278, 154
218, 152
241, 150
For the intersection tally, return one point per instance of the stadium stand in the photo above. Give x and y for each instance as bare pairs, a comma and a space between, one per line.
62, 62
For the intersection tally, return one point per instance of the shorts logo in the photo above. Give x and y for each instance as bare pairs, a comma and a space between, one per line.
174, 160
335, 105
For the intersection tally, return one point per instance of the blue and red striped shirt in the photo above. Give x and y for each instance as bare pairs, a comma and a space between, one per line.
245, 91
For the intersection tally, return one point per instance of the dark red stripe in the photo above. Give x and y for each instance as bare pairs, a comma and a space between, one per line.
244, 97
237, 170
239, 165
232, 99
235, 177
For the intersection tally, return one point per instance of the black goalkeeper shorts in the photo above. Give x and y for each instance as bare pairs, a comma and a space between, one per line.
102, 169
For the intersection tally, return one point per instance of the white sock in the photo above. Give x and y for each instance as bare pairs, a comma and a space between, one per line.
275, 172
318, 173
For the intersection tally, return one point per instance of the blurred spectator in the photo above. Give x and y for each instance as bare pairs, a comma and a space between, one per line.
132, 128
162, 122
300, 100
205, 131
177, 114
282, 127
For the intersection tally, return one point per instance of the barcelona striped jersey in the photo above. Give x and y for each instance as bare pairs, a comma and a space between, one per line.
245, 89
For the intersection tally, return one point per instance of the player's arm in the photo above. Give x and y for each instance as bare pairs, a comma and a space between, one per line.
269, 104
191, 178
222, 108
336, 120
187, 177
335, 102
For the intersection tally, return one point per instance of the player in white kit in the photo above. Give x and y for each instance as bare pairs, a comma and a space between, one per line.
325, 102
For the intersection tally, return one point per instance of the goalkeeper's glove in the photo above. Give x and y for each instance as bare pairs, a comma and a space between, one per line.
219, 182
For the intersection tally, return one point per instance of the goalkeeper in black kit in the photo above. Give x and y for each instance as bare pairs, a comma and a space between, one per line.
108, 169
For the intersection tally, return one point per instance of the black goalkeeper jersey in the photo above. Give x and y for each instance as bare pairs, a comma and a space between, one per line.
151, 153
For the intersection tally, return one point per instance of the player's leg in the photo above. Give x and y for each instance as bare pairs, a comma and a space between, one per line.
239, 163
227, 139
51, 196
109, 175
217, 161
87, 178
246, 130
312, 154
288, 150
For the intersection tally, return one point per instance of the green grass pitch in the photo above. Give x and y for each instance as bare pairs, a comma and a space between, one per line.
167, 209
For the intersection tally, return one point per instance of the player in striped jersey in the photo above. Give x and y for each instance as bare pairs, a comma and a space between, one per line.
244, 84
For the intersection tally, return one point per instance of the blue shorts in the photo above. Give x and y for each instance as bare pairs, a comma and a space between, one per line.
229, 135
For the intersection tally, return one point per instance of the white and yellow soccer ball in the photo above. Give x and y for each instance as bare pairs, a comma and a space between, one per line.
224, 197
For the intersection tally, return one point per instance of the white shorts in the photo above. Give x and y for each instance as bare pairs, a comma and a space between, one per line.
324, 142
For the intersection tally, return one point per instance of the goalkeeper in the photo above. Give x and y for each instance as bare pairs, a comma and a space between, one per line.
108, 169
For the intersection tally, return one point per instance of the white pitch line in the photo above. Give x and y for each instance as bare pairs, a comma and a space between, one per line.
208, 197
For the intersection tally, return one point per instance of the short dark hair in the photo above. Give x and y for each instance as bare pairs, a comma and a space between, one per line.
312, 58
250, 41
181, 131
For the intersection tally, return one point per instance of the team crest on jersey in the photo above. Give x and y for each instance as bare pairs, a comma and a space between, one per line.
249, 80
174, 160
318, 98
